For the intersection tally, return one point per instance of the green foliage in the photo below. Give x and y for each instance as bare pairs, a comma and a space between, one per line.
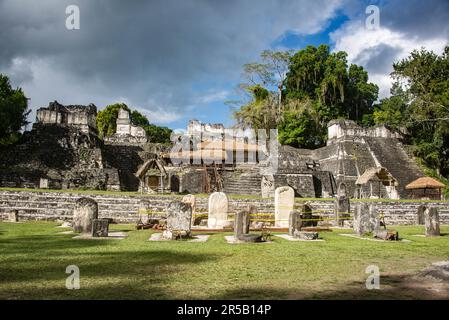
139, 119
420, 104
158, 134
324, 77
107, 118
300, 130
13, 112
315, 87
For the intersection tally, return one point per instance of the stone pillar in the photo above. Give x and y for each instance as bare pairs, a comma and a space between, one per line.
294, 223
179, 221
366, 218
86, 210
342, 205
13, 216
239, 223
190, 200
420, 215
143, 216
218, 210
361, 218
284, 201
374, 220
432, 222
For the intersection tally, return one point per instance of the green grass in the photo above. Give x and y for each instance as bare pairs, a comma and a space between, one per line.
33, 259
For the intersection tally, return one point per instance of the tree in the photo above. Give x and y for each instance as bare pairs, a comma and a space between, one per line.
423, 78
300, 130
315, 86
324, 77
158, 134
139, 119
107, 119
13, 112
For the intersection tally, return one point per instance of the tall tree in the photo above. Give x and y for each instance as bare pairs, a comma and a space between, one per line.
13, 111
422, 79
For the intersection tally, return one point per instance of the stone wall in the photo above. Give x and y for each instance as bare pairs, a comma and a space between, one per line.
124, 208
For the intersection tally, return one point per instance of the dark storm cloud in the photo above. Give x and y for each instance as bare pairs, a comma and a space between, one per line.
151, 52
378, 59
419, 18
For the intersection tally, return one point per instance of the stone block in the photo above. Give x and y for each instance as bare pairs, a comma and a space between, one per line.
100, 228
218, 210
85, 211
432, 222
13, 216
284, 201
179, 220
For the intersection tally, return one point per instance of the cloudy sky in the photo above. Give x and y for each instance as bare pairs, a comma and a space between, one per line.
176, 60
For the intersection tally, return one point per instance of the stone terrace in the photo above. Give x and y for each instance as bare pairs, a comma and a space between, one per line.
123, 208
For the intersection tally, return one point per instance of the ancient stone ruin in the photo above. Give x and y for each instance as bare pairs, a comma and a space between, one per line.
432, 222
218, 211
13, 216
284, 201
63, 151
366, 219
84, 213
296, 223
342, 206
100, 228
179, 221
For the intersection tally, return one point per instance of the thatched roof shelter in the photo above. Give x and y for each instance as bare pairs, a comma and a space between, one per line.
425, 183
210, 155
149, 164
230, 145
379, 173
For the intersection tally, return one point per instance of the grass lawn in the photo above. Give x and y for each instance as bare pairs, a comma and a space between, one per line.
33, 259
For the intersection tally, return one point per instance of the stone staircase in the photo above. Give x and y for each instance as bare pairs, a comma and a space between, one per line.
391, 155
242, 181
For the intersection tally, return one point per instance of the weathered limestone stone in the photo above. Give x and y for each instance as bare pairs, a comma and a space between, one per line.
342, 206
100, 228
13, 216
190, 200
242, 222
218, 210
420, 215
143, 216
294, 223
374, 218
307, 217
86, 210
284, 201
432, 222
304, 235
179, 221
43, 183
366, 219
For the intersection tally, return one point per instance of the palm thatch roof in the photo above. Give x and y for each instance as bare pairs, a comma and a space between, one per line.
211, 155
230, 145
425, 183
380, 173
149, 164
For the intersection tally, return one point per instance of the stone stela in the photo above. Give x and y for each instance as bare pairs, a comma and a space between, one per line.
179, 221
218, 210
86, 210
100, 228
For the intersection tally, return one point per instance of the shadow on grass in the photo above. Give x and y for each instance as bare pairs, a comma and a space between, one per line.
392, 287
34, 268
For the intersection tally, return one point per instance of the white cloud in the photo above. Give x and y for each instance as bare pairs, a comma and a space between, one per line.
376, 50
